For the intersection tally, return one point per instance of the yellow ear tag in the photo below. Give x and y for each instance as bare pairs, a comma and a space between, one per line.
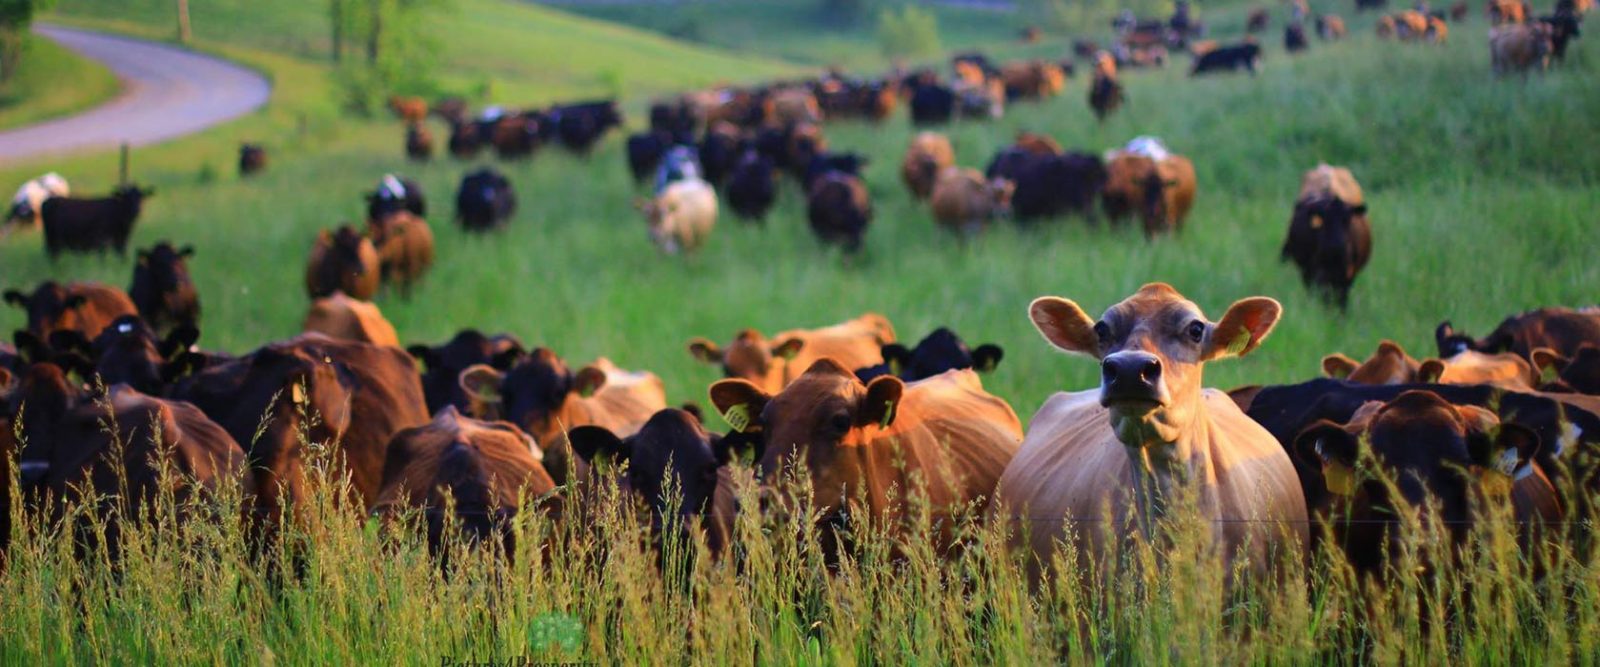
1548, 374
888, 414
738, 417
1339, 479
1239, 342
297, 393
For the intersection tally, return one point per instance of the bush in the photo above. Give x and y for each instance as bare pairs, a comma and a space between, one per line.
909, 32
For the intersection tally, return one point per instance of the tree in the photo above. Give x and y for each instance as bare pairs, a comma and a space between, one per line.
183, 22
909, 32
399, 53
15, 17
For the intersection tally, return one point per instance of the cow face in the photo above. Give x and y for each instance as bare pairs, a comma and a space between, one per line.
442, 365
672, 445
530, 394
50, 307
1151, 348
1580, 373
165, 266
128, 352
940, 351
751, 356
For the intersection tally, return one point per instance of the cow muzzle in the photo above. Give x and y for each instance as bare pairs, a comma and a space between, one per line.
1131, 381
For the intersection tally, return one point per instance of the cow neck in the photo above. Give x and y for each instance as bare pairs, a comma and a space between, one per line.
1161, 448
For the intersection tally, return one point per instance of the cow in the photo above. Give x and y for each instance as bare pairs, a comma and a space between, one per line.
772, 364
1036, 144
1244, 56
1053, 185
672, 450
752, 187
408, 108
940, 351
1032, 79
1563, 27
1330, 27
1563, 330
1389, 364
932, 104
1146, 178
580, 126
1579, 373
1409, 25
873, 445
720, 151
1150, 429
928, 154
793, 106
827, 164
839, 209
340, 317
1504, 12
681, 216
419, 143
1256, 21
85, 307
395, 194
129, 352
81, 225
405, 248
645, 150
442, 364
1294, 38
465, 140
986, 100
1105, 91
345, 400
965, 202
27, 204
1330, 236
1433, 452
342, 261
1438, 31
162, 290
483, 472
541, 395
803, 143
252, 159
485, 200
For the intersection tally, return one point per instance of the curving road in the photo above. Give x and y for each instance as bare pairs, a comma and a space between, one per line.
167, 92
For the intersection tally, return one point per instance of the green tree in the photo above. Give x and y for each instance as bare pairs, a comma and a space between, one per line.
15, 17
399, 55
908, 32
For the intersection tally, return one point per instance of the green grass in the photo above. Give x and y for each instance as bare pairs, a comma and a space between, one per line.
53, 81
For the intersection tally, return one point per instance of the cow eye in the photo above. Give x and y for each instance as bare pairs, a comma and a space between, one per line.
1196, 331
1102, 331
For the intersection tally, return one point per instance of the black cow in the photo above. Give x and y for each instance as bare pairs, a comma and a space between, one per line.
932, 104
72, 224
1053, 185
579, 126
252, 159
485, 200
1330, 241
832, 163
442, 365
1563, 28
720, 151
1561, 329
162, 289
129, 352
1245, 56
752, 187
940, 351
395, 194
1579, 373
676, 120
1294, 37
839, 209
466, 140
645, 150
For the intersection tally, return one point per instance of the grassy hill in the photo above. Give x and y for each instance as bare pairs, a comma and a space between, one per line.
37, 93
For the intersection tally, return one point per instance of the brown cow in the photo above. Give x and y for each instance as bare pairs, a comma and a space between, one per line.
343, 261
1561, 329
1438, 32
1161, 190
866, 442
340, 317
412, 110
1578, 374
1032, 79
773, 364
963, 200
1502, 12
1105, 92
1037, 144
928, 154
1519, 47
792, 106
404, 243
419, 143
1389, 364
1150, 427
1330, 27
85, 307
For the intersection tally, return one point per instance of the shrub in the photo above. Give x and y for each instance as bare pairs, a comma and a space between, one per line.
908, 32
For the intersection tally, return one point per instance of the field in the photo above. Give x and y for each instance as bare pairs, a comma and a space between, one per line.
1482, 194
36, 95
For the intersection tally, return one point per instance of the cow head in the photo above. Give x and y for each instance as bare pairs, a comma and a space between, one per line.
128, 352
1452, 342
1580, 373
1389, 364
164, 270
442, 365
940, 351
532, 393
51, 306
1151, 348
751, 356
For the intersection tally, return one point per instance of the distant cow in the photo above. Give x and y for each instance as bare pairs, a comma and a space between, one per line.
1330, 237
419, 143
1105, 92
340, 317
579, 126
932, 104
442, 365
127, 351
252, 159
1150, 430
1330, 27
940, 351
485, 200
1054, 185
395, 194
408, 108
342, 261
680, 218
92, 224
1563, 27
719, 152
752, 187
162, 289
1562, 330
645, 151
84, 307
839, 209
465, 140
928, 154
1503, 12
1389, 364
1158, 185
1256, 21
1032, 79
27, 204
1294, 38
405, 248
773, 363
964, 201
1246, 56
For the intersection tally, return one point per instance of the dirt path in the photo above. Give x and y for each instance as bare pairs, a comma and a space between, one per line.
167, 92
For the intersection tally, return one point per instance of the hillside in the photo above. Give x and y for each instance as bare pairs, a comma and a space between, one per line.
36, 93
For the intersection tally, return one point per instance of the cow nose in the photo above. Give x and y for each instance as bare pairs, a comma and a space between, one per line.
1131, 371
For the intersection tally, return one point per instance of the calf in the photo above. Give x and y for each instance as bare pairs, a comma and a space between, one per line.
940, 351
1330, 237
405, 248
773, 363
485, 200
252, 159
442, 365
1246, 56
928, 154
1563, 330
83, 307
340, 317
162, 290
343, 261
964, 201
839, 209
27, 204
680, 218
92, 224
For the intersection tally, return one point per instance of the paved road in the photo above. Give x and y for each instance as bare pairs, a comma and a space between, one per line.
167, 92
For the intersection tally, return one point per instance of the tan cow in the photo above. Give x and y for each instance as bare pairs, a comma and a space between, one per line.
343, 318
405, 248
964, 201
928, 154
1389, 364
865, 442
1161, 189
773, 363
681, 217
1150, 428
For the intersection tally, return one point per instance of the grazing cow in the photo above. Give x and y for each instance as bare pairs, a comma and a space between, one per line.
483, 471
1256, 21
340, 317
579, 126
343, 261
1436, 453
940, 351
928, 154
1561, 329
839, 209
1054, 185
1294, 38
485, 200
465, 140
1105, 92
773, 363
964, 201
162, 290
1563, 27
92, 224
83, 307
546, 399
673, 450
1502, 12
1147, 178
793, 106
680, 218
1389, 364
252, 159
515, 136
753, 186
419, 143
1330, 27
1245, 56
932, 104
1558, 373
645, 150
28, 203
351, 397
1032, 79
442, 365
879, 443
1409, 25
405, 248
1330, 237
1150, 428
395, 194
719, 152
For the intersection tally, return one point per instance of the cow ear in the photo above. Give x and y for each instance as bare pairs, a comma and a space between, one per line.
179, 340
591, 442
1430, 371
508, 358
1442, 335
75, 301
705, 350
987, 357
1242, 328
740, 403
1358, 209
588, 381
187, 363
1065, 325
735, 445
1501, 447
75, 364
1550, 364
1339, 366
897, 357
482, 382
186, 251
1325, 442
16, 298
882, 402
788, 348
423, 354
